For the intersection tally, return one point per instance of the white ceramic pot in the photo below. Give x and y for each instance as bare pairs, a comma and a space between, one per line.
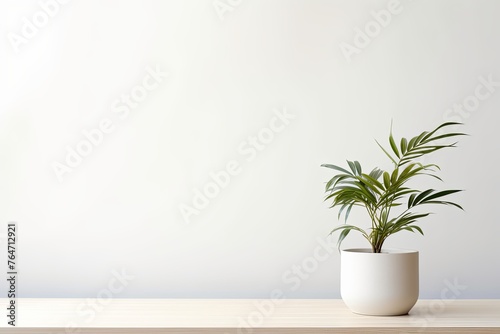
379, 283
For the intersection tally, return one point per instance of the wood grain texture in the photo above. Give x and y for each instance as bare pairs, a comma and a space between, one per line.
51, 316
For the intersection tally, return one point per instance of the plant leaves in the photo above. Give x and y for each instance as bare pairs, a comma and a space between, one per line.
352, 166
393, 145
340, 169
379, 191
404, 145
358, 168
387, 180
387, 153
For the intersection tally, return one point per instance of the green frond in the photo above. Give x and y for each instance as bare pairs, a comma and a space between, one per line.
381, 191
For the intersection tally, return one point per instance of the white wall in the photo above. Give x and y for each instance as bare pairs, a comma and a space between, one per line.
119, 208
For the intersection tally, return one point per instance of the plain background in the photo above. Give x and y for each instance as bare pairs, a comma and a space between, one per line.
119, 210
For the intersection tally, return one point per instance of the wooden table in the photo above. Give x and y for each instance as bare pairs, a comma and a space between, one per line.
243, 316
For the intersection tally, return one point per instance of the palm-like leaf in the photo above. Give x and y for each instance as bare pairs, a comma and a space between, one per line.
380, 191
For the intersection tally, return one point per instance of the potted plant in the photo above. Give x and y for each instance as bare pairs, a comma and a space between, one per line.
375, 280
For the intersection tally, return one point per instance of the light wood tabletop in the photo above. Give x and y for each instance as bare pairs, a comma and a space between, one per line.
243, 316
